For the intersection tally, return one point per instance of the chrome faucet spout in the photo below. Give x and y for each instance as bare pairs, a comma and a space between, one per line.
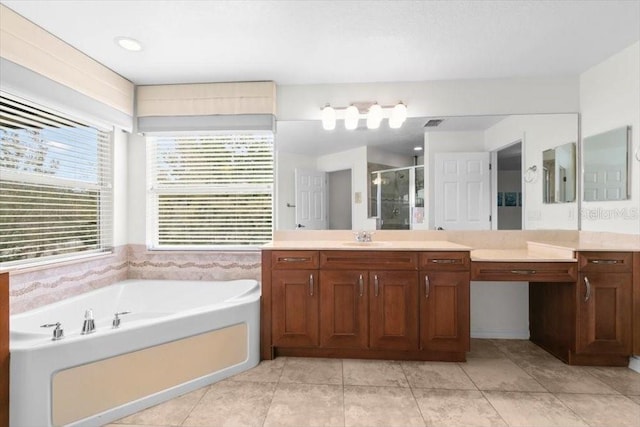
89, 324
363, 236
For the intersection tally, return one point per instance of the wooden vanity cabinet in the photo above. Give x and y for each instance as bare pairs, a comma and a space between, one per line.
365, 304
444, 301
4, 349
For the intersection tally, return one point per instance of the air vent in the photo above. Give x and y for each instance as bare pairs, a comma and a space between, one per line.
433, 123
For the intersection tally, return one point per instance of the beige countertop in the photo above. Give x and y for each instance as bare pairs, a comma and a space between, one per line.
516, 255
381, 245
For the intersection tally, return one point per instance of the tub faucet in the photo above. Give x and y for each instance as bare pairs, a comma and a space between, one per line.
89, 325
58, 332
116, 319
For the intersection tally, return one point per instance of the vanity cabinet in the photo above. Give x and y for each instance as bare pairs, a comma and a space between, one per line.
365, 304
444, 301
587, 321
4, 349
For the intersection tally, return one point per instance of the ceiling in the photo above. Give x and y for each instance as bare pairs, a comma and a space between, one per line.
308, 42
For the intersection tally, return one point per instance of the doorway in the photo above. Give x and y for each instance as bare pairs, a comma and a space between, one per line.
339, 192
509, 187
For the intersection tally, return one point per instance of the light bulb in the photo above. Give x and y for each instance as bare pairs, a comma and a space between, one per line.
328, 118
351, 117
398, 116
374, 117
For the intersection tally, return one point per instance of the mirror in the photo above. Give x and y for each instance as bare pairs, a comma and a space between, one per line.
607, 166
559, 174
304, 144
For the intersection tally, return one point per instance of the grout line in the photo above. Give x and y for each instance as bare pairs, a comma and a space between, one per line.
196, 404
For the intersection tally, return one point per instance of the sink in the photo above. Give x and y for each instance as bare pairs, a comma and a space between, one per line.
366, 244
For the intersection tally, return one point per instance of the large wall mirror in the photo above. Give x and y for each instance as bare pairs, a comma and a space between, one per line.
607, 165
363, 169
559, 174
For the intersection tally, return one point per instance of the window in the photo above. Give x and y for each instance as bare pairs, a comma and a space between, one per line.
55, 185
210, 191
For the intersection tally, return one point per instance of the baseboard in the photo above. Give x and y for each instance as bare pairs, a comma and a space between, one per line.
634, 363
509, 335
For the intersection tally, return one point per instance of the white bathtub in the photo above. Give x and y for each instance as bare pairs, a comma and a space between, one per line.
180, 335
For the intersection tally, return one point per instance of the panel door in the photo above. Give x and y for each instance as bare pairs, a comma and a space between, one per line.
393, 310
604, 313
294, 308
462, 191
344, 309
311, 199
444, 311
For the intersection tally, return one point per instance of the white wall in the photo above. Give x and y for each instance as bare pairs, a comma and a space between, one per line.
538, 132
120, 185
383, 157
339, 187
610, 98
137, 194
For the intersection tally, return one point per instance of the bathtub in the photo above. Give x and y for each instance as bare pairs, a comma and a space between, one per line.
179, 336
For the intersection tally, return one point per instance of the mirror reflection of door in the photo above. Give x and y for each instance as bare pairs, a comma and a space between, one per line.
462, 191
509, 187
311, 199
339, 196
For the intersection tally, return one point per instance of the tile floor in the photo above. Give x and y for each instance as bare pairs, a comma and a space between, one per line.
503, 383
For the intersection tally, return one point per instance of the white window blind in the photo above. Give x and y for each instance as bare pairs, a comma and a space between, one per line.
55, 185
210, 191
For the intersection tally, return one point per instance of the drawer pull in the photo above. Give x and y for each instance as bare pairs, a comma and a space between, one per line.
604, 261
376, 284
311, 285
445, 261
294, 259
587, 293
361, 284
427, 286
523, 272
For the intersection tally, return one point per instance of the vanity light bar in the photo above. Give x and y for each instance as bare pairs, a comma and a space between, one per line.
371, 110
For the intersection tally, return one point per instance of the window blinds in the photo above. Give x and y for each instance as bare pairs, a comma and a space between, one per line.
210, 191
55, 185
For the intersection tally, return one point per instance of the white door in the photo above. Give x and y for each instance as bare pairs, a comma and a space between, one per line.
462, 190
311, 199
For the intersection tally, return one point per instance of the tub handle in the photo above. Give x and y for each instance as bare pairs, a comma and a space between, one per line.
311, 285
116, 319
58, 332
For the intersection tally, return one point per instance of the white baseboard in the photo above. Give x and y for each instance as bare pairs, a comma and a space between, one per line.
634, 363
509, 335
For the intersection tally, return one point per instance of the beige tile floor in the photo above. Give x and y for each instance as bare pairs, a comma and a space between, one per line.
503, 383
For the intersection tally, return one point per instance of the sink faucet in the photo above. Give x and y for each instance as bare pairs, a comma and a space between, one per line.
363, 236
89, 324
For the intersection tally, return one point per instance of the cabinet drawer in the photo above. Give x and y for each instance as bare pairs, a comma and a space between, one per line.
294, 260
380, 260
610, 262
525, 271
444, 261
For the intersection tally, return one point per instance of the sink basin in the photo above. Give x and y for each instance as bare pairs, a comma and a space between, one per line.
365, 244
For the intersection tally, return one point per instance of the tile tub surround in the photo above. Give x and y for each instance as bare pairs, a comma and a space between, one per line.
373, 393
34, 287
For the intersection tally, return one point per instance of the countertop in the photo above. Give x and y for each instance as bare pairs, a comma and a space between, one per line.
380, 245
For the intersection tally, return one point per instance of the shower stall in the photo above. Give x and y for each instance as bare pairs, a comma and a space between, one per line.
397, 197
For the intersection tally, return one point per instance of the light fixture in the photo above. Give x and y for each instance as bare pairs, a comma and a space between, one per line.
373, 111
328, 118
351, 117
129, 44
417, 148
398, 116
374, 117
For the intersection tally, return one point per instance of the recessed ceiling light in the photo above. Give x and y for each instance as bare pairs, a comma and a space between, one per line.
129, 44
418, 148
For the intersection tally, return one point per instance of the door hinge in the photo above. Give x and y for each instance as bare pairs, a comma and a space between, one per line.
489, 218
489, 166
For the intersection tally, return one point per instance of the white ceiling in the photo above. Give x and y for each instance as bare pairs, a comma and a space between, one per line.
306, 42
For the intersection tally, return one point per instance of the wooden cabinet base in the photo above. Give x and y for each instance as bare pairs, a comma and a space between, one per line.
571, 358
370, 354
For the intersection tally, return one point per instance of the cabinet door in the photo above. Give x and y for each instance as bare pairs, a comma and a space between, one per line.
343, 309
444, 311
294, 308
393, 310
604, 313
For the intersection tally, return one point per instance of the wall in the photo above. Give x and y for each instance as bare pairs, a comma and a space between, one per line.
538, 132
609, 99
339, 200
